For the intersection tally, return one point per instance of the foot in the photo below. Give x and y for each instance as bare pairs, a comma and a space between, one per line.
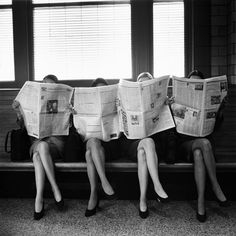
38, 205
144, 214
92, 201
91, 212
57, 195
201, 218
39, 214
201, 207
219, 194
161, 193
143, 205
108, 189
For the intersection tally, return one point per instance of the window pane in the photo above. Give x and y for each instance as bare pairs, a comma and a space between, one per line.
5, 2
168, 38
67, 1
82, 42
6, 46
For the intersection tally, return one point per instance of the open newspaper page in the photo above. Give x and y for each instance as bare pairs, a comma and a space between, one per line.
28, 97
142, 107
216, 90
45, 108
96, 113
196, 104
54, 114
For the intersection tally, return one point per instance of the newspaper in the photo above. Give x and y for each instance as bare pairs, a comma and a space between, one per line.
197, 102
45, 108
142, 110
96, 112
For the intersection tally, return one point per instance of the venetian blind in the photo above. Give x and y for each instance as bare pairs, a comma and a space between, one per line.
168, 28
6, 43
82, 42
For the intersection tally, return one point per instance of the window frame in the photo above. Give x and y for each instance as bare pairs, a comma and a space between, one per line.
141, 39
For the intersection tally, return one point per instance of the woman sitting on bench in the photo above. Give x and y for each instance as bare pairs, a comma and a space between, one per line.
200, 152
144, 152
43, 151
96, 153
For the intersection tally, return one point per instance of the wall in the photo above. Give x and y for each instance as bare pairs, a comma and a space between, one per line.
223, 39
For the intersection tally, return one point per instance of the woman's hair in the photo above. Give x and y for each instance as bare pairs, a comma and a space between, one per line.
99, 81
196, 73
144, 74
51, 77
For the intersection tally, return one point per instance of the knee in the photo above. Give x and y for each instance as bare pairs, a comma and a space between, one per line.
88, 157
141, 156
36, 158
203, 144
147, 144
42, 147
93, 143
197, 155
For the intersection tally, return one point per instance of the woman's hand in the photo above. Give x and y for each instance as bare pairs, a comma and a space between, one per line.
16, 105
169, 101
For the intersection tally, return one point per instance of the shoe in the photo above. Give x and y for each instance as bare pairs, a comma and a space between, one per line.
60, 204
161, 199
39, 215
113, 196
144, 214
93, 211
225, 203
201, 218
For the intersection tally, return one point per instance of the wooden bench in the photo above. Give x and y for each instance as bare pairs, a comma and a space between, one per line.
225, 140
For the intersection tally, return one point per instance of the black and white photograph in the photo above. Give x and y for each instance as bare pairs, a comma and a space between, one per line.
71, 164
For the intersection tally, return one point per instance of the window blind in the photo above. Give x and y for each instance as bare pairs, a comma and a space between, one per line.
168, 28
5, 2
82, 42
6, 45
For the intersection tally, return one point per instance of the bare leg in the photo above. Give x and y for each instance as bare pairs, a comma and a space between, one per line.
93, 180
209, 160
98, 157
152, 164
143, 179
39, 180
43, 150
200, 178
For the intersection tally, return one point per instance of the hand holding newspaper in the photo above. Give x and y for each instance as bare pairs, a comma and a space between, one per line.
142, 110
197, 102
44, 107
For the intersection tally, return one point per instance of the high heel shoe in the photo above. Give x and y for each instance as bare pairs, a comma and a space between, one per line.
39, 215
144, 214
223, 203
60, 204
93, 211
161, 199
201, 218
111, 197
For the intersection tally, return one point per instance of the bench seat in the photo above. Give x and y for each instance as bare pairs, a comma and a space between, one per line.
120, 165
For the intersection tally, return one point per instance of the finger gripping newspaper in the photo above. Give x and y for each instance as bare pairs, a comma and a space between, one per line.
197, 102
44, 108
142, 110
96, 113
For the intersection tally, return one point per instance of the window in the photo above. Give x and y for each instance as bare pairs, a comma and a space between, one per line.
82, 41
6, 42
168, 33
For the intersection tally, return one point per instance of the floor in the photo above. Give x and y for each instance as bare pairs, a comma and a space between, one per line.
118, 217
